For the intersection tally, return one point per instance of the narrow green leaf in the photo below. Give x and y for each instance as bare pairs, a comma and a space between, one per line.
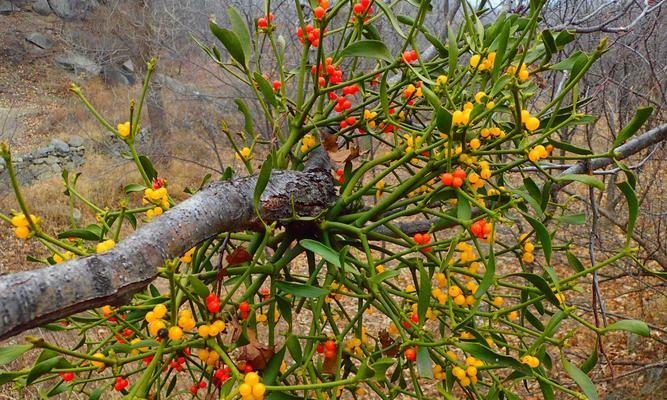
134, 187
424, 363
97, 393
262, 181
540, 284
247, 116
585, 179
85, 234
294, 348
488, 355
198, 286
266, 89
148, 167
272, 369
391, 17
41, 369
231, 42
240, 28
367, 48
443, 120
581, 379
383, 276
322, 250
301, 290
574, 219
424, 295
463, 211
641, 116
11, 353
453, 48
591, 361
633, 209
489, 274
630, 325
542, 235
574, 262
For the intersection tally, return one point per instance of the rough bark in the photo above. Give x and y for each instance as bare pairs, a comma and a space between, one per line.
32, 298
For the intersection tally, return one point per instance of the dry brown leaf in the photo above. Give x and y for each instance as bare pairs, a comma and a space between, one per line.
330, 143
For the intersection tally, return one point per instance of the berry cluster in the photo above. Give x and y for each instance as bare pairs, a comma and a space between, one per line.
22, 225
177, 363
264, 22
124, 129
532, 362
211, 330
252, 388
329, 349
121, 383
209, 356
312, 34
486, 62
469, 374
491, 132
462, 117
409, 56
455, 179
307, 142
481, 229
538, 153
523, 72
195, 387
422, 239
531, 123
528, 248
104, 246
212, 303
244, 309
185, 320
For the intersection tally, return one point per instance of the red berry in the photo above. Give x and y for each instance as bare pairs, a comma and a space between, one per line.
262, 23
244, 307
418, 238
320, 348
426, 238
339, 172
414, 318
276, 85
358, 8
202, 384
67, 376
213, 307
365, 3
410, 354
194, 389
351, 120
244, 315
457, 182
459, 173
247, 368
446, 179
406, 324
330, 345
318, 12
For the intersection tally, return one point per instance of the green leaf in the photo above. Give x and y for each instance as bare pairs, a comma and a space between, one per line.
198, 286
500, 46
549, 45
41, 369
574, 219
266, 89
569, 147
631, 325
570, 62
563, 38
380, 367
443, 120
247, 116
574, 262
84, 234
463, 211
542, 235
383, 276
262, 181
641, 116
301, 290
231, 42
540, 284
585, 179
294, 348
633, 209
134, 187
147, 165
489, 274
424, 363
453, 48
322, 250
11, 353
272, 369
581, 379
367, 48
431, 97
240, 29
488, 355
424, 295
6, 377
391, 17
591, 361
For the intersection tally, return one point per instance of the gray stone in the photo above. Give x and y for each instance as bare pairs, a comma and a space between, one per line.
40, 40
59, 145
73, 9
117, 76
77, 63
7, 7
128, 66
42, 7
39, 161
75, 141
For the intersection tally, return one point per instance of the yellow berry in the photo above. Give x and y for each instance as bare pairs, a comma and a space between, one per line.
175, 333
258, 390
471, 371
251, 378
475, 143
160, 311
245, 389
203, 330
532, 123
98, 364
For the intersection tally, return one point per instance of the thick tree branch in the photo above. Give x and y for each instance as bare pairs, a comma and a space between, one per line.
32, 298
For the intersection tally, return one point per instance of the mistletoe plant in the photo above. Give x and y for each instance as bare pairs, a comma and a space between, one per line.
433, 266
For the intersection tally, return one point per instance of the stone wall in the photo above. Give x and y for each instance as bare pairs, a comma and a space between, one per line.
45, 162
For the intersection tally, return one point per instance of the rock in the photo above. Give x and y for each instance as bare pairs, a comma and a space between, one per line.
59, 145
75, 141
75, 62
116, 76
7, 7
40, 40
73, 9
128, 66
42, 7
